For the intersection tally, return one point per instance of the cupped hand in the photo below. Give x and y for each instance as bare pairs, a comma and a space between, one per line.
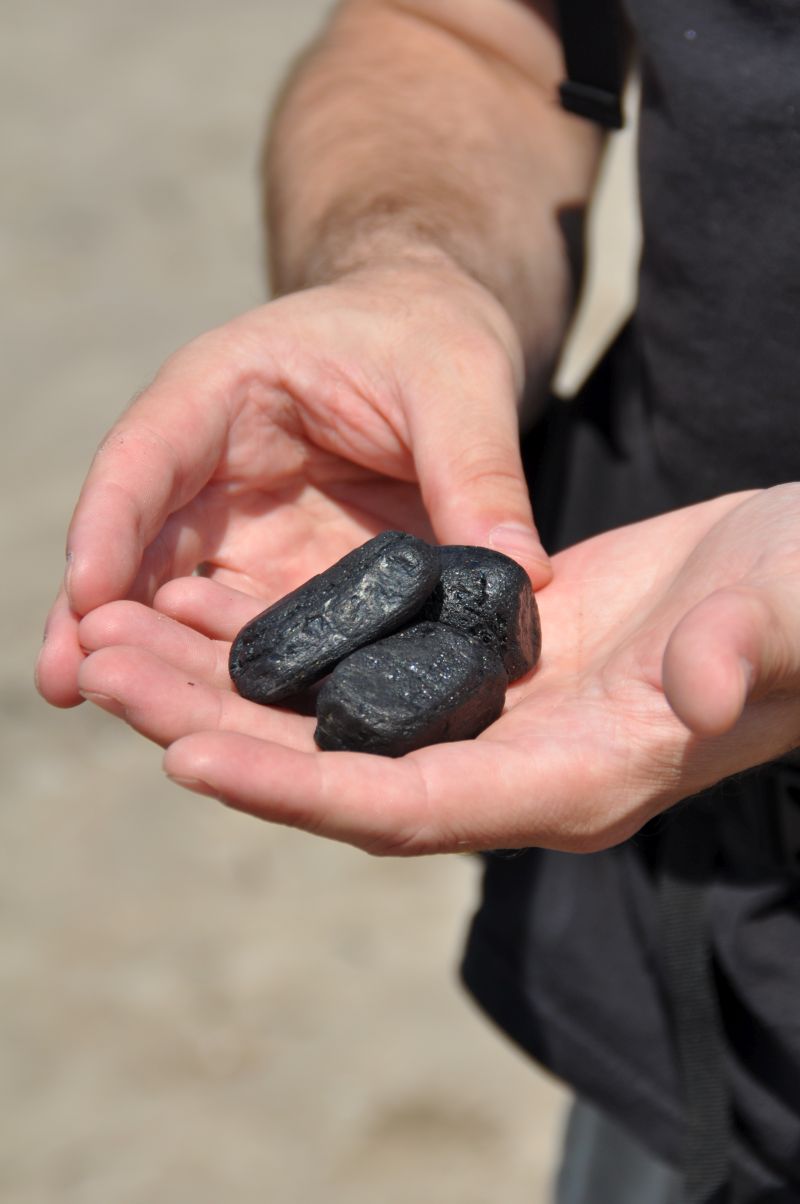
671, 660
268, 448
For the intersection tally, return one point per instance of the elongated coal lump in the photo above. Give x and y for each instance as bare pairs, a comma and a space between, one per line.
369, 593
425, 685
489, 596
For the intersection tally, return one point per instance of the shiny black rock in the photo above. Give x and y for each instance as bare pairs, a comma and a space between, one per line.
425, 685
489, 596
368, 594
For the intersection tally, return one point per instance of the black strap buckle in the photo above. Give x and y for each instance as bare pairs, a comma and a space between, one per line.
595, 42
600, 106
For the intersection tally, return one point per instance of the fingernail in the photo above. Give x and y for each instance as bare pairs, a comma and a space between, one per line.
196, 785
105, 701
518, 541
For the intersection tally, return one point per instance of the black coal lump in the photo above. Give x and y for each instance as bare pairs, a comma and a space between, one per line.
489, 596
369, 593
425, 685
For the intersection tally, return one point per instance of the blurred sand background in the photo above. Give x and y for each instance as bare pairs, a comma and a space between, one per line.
194, 1007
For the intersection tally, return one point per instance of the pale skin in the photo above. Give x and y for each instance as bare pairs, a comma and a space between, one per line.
424, 273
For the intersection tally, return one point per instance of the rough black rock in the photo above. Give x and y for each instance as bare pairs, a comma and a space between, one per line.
425, 685
369, 593
489, 596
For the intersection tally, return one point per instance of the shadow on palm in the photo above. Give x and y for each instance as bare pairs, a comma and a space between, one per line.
267, 541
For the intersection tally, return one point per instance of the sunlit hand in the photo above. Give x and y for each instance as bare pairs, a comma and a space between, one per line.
271, 446
671, 660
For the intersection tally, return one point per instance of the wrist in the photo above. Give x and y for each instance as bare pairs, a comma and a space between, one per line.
427, 276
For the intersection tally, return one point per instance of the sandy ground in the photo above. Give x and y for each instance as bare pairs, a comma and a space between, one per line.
195, 1007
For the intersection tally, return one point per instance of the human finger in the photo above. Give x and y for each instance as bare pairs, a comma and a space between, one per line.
153, 461
739, 643
164, 703
372, 802
135, 625
458, 797
60, 657
216, 610
469, 463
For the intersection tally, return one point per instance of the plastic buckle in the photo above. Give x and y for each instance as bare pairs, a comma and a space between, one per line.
597, 104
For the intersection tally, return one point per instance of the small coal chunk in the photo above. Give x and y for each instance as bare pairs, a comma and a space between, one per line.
489, 596
371, 592
425, 685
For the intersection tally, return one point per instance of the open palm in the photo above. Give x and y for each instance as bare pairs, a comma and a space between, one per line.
268, 448
589, 746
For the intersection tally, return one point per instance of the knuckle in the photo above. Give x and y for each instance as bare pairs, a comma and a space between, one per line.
479, 465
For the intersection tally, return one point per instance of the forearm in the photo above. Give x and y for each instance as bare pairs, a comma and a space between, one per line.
432, 130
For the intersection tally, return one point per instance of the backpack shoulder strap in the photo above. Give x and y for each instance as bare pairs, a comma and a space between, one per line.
594, 39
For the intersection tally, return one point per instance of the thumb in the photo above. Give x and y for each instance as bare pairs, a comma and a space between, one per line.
739, 643
469, 466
